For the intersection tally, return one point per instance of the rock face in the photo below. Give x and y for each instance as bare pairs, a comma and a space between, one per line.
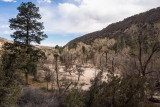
115, 30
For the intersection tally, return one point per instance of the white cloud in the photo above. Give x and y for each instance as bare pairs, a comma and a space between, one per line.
52, 43
9, 0
90, 15
4, 29
44, 1
4, 26
77, 0
7, 32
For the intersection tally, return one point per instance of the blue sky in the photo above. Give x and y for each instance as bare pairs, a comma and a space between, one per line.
65, 20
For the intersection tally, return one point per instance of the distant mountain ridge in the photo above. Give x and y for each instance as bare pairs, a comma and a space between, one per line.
117, 29
2, 41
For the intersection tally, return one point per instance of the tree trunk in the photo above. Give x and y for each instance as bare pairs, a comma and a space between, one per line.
26, 77
78, 77
113, 98
35, 77
27, 43
106, 58
56, 69
113, 65
47, 85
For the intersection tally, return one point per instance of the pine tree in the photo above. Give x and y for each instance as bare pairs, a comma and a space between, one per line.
26, 25
27, 30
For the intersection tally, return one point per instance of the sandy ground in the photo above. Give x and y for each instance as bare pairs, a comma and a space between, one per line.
89, 73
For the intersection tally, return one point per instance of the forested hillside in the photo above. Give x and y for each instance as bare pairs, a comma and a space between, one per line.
118, 29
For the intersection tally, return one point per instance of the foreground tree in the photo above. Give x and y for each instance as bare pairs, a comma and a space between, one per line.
116, 91
27, 29
20, 60
26, 25
9, 79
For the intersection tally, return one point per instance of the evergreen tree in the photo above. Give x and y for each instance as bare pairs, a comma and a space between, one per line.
26, 25
27, 30
22, 61
9, 83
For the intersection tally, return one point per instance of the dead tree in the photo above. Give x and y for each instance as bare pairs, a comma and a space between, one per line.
56, 69
79, 71
147, 45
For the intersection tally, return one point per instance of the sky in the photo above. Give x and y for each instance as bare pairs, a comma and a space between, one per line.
65, 20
